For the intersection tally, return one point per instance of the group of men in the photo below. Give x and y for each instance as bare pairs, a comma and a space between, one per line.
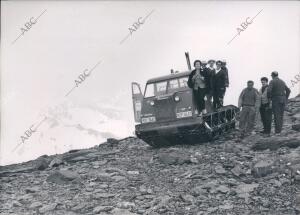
208, 81
269, 100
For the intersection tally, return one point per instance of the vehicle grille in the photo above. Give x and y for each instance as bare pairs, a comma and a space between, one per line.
164, 109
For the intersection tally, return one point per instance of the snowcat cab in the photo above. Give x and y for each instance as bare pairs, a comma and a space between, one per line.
167, 113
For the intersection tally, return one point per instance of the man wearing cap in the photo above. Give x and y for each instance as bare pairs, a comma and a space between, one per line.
210, 73
220, 82
203, 64
278, 92
249, 102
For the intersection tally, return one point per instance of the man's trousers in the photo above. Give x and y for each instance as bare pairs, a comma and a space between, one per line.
266, 117
218, 96
208, 103
247, 119
278, 111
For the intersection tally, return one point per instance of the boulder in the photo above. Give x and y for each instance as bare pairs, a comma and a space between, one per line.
167, 159
187, 198
237, 170
296, 127
35, 205
112, 141
296, 117
198, 191
297, 179
125, 205
32, 189
63, 177
263, 168
99, 209
293, 157
103, 195
16, 203
295, 169
274, 143
118, 211
55, 162
220, 170
244, 190
297, 202
73, 150
223, 189
226, 206
48, 208
41, 164
173, 158
72, 156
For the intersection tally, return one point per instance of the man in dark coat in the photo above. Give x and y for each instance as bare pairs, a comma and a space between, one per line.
210, 73
199, 81
220, 82
278, 92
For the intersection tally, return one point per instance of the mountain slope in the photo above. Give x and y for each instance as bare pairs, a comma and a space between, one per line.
254, 176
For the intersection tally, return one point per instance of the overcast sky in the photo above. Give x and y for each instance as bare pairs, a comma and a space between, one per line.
40, 67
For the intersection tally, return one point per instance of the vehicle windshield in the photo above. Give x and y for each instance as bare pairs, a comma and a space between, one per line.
164, 87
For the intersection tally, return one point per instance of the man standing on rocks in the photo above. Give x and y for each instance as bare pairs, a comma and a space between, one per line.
249, 102
265, 107
278, 92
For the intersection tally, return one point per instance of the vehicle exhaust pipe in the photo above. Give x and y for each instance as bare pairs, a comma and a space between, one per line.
187, 56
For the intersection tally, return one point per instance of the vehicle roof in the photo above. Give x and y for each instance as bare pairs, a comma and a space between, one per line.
168, 77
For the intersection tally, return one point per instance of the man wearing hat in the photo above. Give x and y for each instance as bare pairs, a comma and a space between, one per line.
210, 72
220, 82
278, 92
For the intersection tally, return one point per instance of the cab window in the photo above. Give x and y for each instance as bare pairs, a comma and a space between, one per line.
164, 87
149, 91
183, 82
156, 89
161, 88
173, 84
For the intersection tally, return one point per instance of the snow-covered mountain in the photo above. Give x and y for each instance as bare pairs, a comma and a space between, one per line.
72, 126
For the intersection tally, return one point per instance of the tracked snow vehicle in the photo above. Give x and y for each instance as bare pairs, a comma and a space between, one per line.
167, 113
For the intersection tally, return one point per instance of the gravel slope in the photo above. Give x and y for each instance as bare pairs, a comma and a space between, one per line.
255, 175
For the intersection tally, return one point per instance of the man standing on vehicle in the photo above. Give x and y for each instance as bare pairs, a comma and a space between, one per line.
210, 73
198, 81
265, 107
278, 92
249, 102
220, 82
203, 64
224, 67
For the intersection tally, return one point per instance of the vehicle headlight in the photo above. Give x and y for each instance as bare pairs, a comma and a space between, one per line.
177, 98
151, 103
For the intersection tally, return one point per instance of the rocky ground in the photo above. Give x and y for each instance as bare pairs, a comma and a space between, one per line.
256, 175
